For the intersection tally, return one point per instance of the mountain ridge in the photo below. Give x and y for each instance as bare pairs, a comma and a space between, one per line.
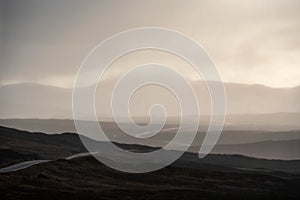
41, 101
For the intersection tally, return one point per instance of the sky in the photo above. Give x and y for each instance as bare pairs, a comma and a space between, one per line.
250, 41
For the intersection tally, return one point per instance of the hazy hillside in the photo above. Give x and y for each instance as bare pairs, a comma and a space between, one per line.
51, 147
247, 129
67, 144
289, 149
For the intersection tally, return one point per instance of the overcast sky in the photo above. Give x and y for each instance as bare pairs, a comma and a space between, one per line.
250, 41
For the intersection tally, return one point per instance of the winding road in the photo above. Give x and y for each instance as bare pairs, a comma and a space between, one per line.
26, 164
21, 165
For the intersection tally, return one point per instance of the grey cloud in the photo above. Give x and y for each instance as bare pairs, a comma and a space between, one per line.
49, 39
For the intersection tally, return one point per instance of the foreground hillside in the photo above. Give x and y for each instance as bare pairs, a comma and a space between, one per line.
85, 178
214, 177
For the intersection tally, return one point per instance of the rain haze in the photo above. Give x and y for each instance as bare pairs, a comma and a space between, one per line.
200, 99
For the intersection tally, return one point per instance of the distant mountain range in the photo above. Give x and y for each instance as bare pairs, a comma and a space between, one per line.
40, 101
28, 100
